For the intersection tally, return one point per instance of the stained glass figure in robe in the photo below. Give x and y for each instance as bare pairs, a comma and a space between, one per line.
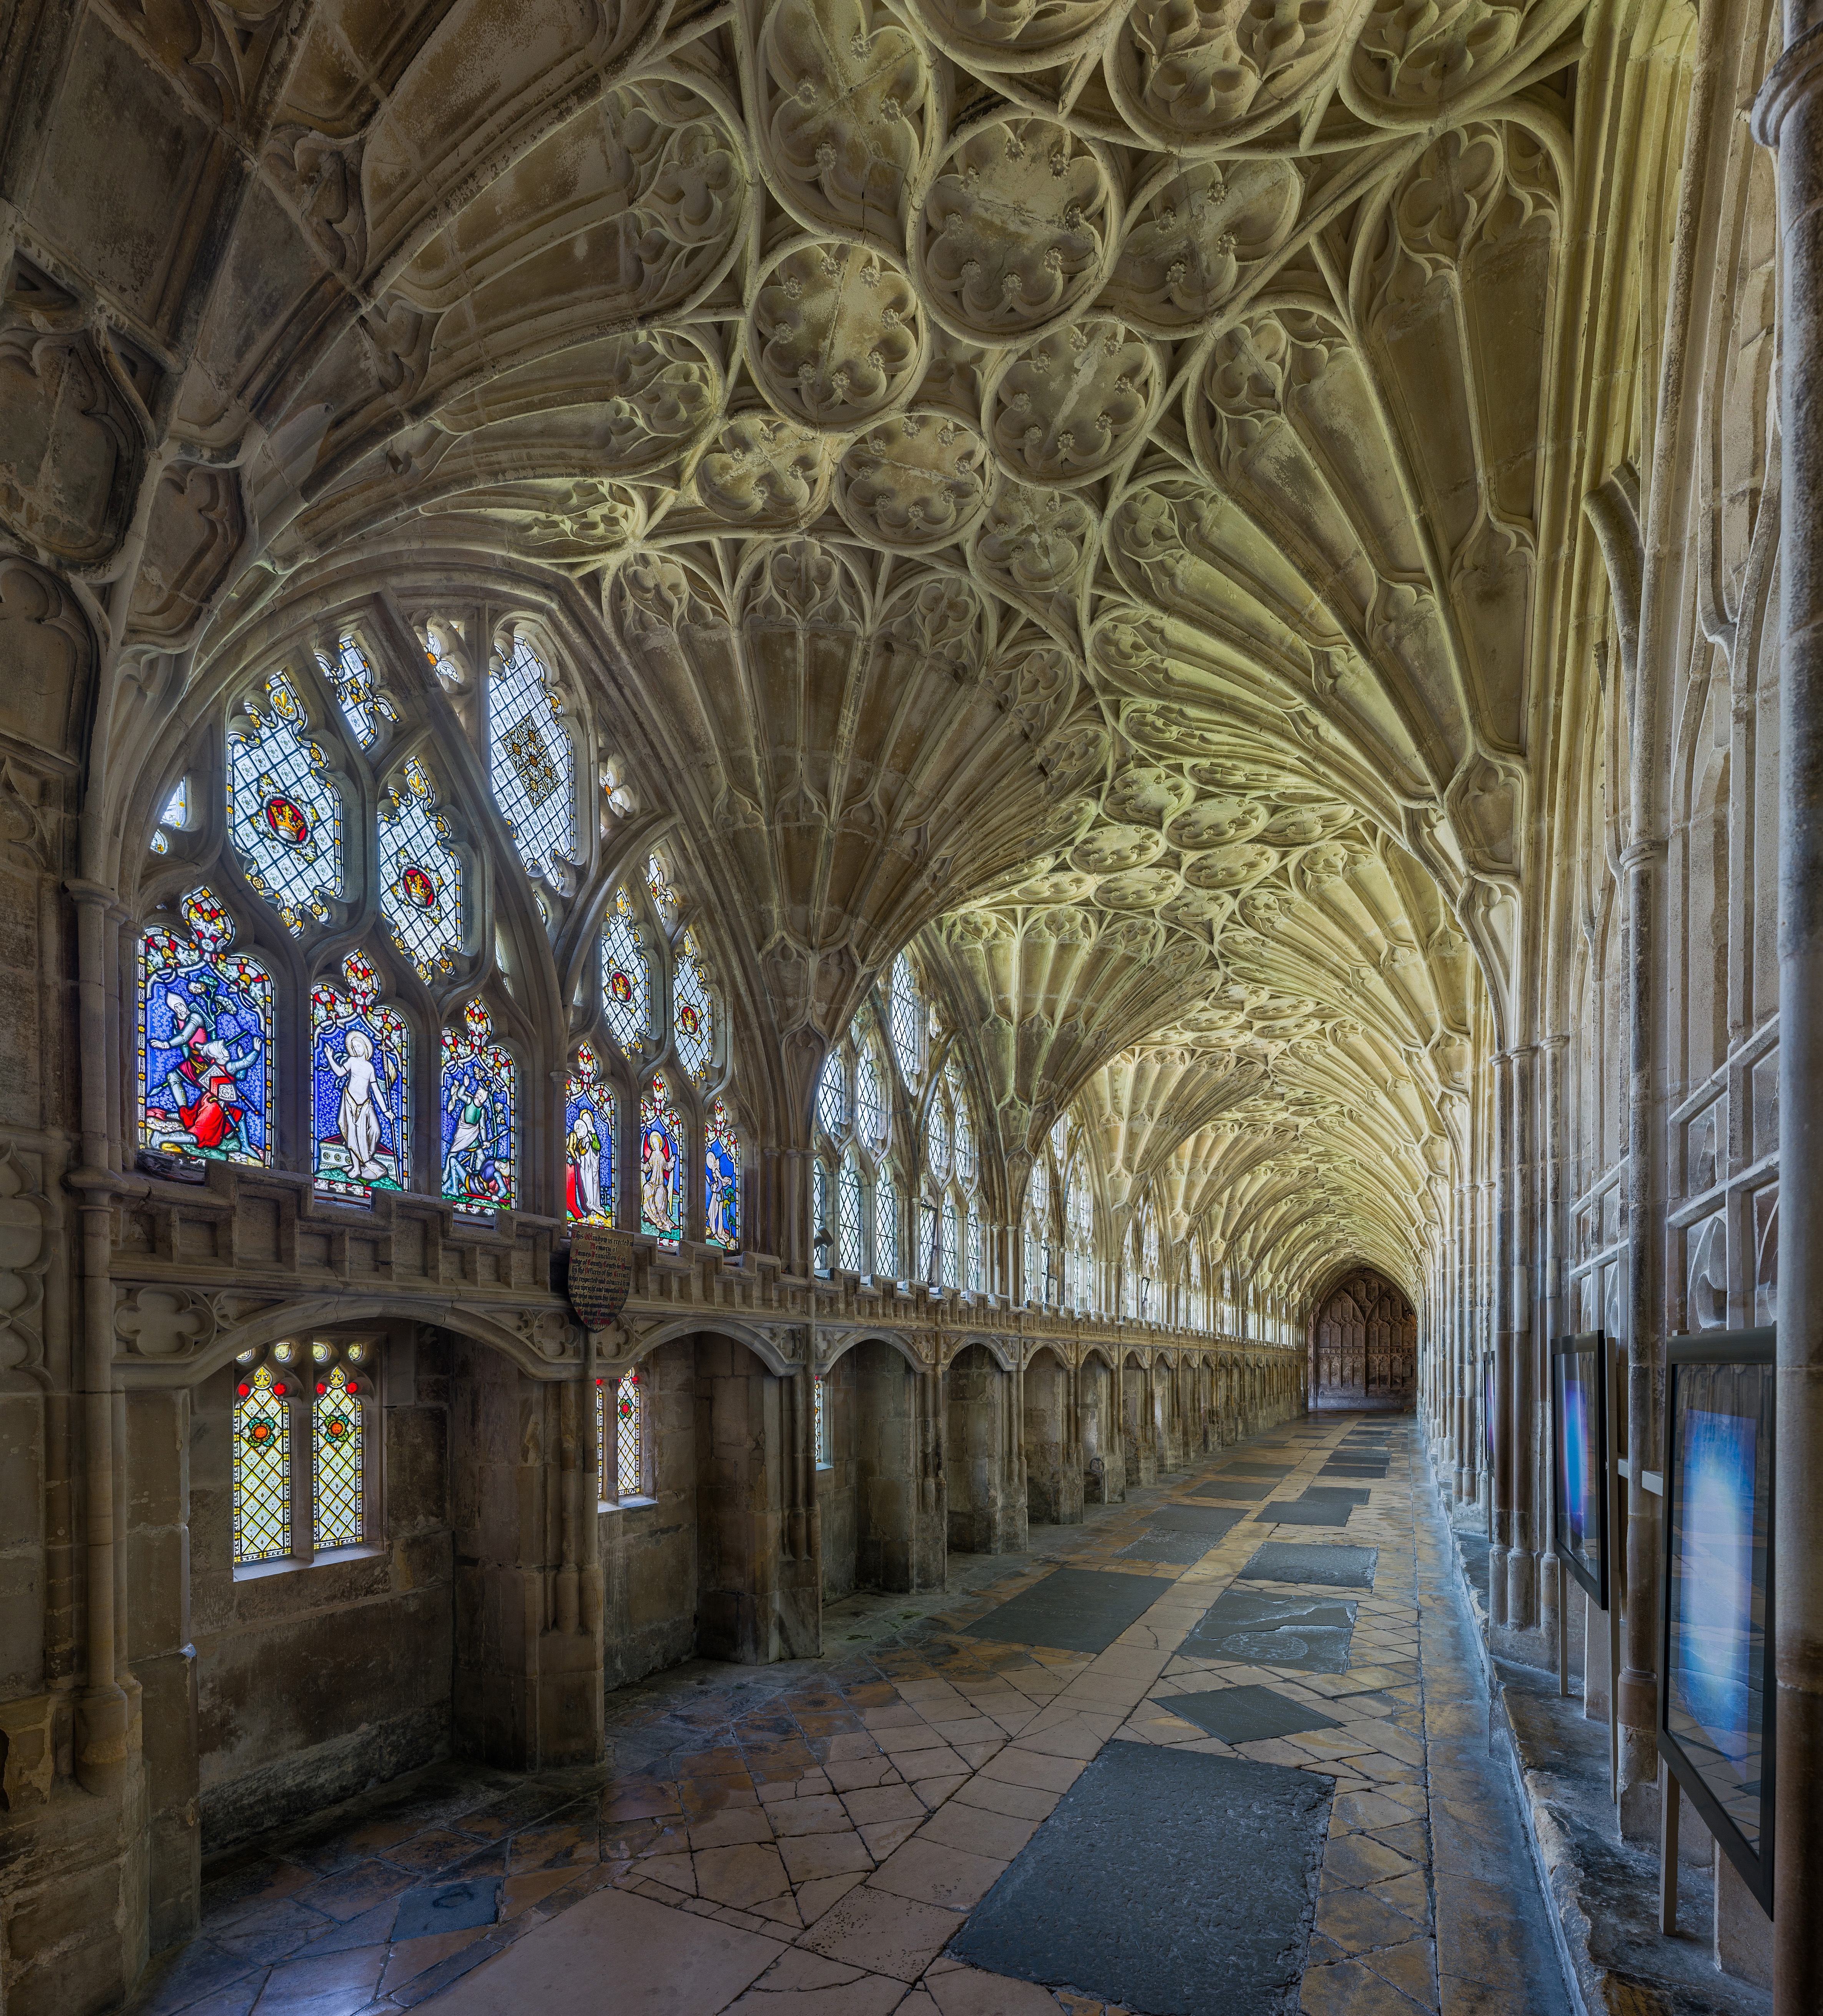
661, 1192
359, 1084
589, 1120
262, 1468
721, 1179
205, 1041
481, 1116
284, 815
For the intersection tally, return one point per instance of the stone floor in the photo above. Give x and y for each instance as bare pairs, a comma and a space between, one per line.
809, 1838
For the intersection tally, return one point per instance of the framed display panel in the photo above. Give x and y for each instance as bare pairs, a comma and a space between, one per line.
1715, 1726
1579, 1463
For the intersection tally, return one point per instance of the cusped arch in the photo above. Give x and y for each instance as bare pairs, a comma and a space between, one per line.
763, 1347
886, 1337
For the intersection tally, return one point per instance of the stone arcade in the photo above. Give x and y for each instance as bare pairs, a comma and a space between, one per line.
1099, 720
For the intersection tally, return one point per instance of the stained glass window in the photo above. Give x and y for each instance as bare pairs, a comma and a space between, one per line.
626, 982
262, 1468
946, 1257
1034, 1265
360, 1083
819, 1403
869, 1104
823, 1255
722, 1179
174, 819
284, 815
205, 1041
662, 1163
695, 1018
336, 1506
589, 1124
532, 766
1041, 1194
603, 1449
832, 1094
420, 874
886, 1228
972, 1251
629, 1409
480, 1115
907, 1016
352, 677
848, 1211
664, 896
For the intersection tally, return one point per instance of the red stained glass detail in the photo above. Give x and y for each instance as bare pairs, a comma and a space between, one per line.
688, 1019
620, 987
243, 1389
287, 819
416, 887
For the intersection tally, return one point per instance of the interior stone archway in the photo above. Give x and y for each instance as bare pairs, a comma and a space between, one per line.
1363, 1344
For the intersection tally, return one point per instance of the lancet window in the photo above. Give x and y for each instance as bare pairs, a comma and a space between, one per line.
531, 766
1079, 1240
856, 1195
302, 1420
360, 1085
588, 1141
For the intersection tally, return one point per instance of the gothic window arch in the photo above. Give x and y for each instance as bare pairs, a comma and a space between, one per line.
1078, 1238
305, 1416
206, 1070
531, 764
854, 1136
952, 1184
1152, 1286
589, 1115
1040, 1230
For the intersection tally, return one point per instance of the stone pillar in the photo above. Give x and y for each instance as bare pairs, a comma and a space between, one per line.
1551, 1321
1789, 118
1520, 1350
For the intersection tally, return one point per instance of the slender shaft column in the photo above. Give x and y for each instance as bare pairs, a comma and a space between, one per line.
1789, 119
1519, 1372
1505, 1184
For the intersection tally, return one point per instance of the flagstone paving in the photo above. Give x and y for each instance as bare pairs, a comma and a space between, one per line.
812, 1836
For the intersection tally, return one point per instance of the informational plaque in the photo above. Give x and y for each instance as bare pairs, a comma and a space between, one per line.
1579, 1459
601, 1273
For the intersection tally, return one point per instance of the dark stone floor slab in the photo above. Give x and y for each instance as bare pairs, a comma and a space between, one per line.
1180, 1549
1165, 1881
1375, 1469
1338, 1494
446, 1907
1239, 1487
1331, 1568
1246, 1715
1213, 1520
1308, 1634
1072, 1610
1260, 1469
1301, 1512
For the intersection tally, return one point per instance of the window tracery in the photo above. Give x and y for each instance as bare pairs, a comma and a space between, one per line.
360, 1085
366, 711
905, 1019
662, 1163
630, 1436
262, 1468
173, 818
284, 812
694, 1014
420, 873
301, 1482
626, 975
337, 1456
531, 766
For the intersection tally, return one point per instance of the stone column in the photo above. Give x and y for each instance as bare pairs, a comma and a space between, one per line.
1551, 1321
1789, 118
1505, 1186
1519, 1351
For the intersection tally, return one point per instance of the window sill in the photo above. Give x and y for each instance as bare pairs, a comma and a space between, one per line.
294, 1565
624, 1504
823, 1467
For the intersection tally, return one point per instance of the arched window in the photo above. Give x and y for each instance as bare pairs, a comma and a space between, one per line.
694, 1015
626, 976
971, 1250
941, 1136
531, 765
480, 1115
819, 1420
662, 1163
205, 1041
832, 1094
262, 1467
886, 1228
588, 1141
360, 1086
631, 1464
946, 1270
905, 1015
175, 818
722, 1179
1080, 1234
420, 874
338, 1508
823, 1243
869, 1100
1198, 1316
284, 814
848, 1247
658, 886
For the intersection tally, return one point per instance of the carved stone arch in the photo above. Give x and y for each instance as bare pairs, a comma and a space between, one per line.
775, 1353
892, 1338
1004, 1353
545, 1343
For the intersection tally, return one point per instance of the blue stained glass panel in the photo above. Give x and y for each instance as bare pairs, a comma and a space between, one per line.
662, 1163
420, 874
532, 765
721, 1179
360, 1080
284, 815
588, 1122
480, 1115
205, 1041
